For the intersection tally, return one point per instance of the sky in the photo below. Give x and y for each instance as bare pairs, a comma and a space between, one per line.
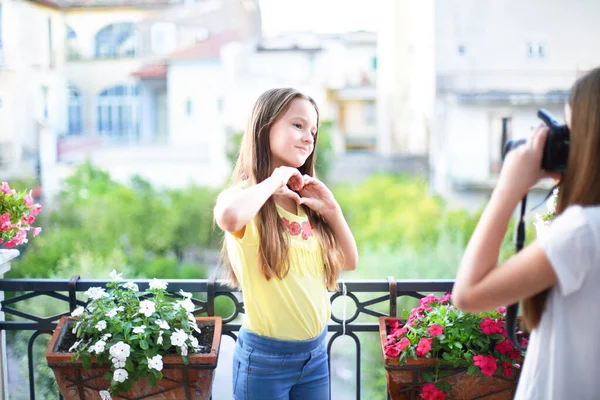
321, 16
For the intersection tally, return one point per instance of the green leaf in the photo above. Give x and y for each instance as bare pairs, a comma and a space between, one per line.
85, 361
443, 385
458, 344
472, 369
152, 379
428, 376
144, 344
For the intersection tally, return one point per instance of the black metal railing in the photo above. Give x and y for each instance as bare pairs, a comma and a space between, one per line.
386, 293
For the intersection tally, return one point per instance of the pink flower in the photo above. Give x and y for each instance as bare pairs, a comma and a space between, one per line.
399, 332
524, 342
435, 330
504, 346
392, 351
403, 343
36, 231
10, 244
487, 364
28, 220
507, 372
430, 298
395, 324
423, 347
5, 188
28, 200
501, 310
431, 392
306, 230
490, 326
36, 210
445, 298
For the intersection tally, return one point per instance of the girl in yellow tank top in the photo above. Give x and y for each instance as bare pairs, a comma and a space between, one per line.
286, 241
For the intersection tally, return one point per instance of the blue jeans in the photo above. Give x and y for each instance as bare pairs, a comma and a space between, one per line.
273, 369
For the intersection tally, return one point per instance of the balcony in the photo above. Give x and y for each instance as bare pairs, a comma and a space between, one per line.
367, 300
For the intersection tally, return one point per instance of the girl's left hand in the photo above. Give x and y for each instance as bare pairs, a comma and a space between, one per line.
523, 166
317, 196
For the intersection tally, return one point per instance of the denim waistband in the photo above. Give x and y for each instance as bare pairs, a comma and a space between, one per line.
272, 345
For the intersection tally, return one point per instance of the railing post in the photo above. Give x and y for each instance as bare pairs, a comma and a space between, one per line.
393, 287
5, 257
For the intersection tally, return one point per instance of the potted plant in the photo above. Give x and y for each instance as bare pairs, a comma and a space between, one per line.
438, 352
17, 215
135, 344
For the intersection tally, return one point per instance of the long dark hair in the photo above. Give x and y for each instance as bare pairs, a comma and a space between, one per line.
580, 184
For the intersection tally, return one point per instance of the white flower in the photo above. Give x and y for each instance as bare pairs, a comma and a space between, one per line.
131, 286
184, 350
158, 284
120, 350
147, 307
139, 329
105, 395
178, 337
185, 294
162, 324
113, 312
101, 325
193, 341
193, 324
156, 362
115, 276
187, 304
118, 363
95, 293
120, 375
160, 338
105, 337
75, 345
99, 347
77, 312
74, 331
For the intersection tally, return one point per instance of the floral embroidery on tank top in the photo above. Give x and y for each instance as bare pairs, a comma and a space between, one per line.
295, 228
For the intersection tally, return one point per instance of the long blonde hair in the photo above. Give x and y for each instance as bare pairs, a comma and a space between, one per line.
580, 184
253, 165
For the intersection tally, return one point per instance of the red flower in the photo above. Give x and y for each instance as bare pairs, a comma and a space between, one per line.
490, 326
399, 332
430, 298
501, 310
435, 330
423, 347
514, 354
524, 342
394, 325
392, 351
504, 346
295, 228
487, 364
445, 298
403, 343
507, 372
431, 392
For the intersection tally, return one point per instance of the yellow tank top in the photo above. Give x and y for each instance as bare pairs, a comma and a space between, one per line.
296, 307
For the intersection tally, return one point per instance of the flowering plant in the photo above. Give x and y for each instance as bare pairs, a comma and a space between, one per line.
543, 221
436, 329
132, 330
17, 214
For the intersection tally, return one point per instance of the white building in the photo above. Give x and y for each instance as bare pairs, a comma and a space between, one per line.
496, 65
32, 84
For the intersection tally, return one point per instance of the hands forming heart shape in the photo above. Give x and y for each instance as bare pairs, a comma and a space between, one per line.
305, 189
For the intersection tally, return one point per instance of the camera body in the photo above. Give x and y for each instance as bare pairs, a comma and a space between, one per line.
556, 149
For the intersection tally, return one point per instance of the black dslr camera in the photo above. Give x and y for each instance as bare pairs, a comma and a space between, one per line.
556, 150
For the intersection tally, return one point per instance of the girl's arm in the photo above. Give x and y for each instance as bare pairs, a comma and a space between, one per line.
236, 208
320, 199
479, 284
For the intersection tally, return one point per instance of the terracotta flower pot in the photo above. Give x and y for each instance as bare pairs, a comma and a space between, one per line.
180, 381
405, 381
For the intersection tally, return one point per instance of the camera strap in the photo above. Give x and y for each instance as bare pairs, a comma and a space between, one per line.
513, 309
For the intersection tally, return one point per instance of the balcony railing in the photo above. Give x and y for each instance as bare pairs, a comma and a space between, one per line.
383, 294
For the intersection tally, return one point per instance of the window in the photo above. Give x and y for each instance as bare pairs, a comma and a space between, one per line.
536, 50
116, 40
45, 102
188, 108
75, 103
501, 132
118, 112
462, 49
72, 47
50, 50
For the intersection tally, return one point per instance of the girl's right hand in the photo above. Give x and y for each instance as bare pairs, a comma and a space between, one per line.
288, 178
